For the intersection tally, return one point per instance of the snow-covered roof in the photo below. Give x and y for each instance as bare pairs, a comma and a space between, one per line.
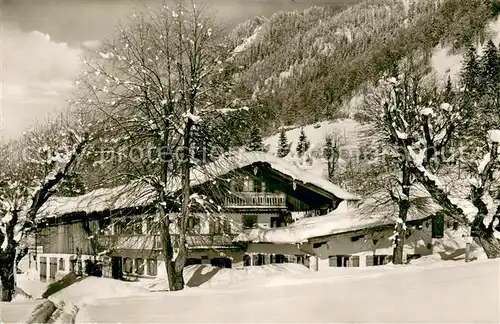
119, 197
287, 168
134, 194
347, 217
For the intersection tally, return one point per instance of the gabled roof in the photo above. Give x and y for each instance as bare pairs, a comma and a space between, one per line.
140, 194
347, 217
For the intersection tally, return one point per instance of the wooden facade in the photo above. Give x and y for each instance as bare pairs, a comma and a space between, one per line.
254, 196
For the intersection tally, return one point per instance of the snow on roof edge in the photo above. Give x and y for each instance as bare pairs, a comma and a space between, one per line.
120, 196
346, 218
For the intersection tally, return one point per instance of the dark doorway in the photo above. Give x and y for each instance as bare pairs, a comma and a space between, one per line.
116, 267
221, 262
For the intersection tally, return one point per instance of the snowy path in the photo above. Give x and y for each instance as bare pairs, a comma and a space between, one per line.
457, 293
16, 312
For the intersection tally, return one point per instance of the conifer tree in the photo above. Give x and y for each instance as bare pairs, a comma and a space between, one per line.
490, 64
256, 142
490, 77
303, 144
283, 145
471, 71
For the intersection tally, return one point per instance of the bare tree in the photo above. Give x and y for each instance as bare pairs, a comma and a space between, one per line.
31, 170
420, 122
395, 103
157, 85
331, 152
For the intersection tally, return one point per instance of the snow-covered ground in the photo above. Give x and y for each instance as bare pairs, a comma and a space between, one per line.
16, 312
22, 305
347, 132
29, 281
203, 276
443, 292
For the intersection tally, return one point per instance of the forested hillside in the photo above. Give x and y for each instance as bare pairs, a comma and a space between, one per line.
300, 67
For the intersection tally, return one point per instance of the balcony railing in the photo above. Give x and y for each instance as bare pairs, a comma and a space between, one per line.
256, 199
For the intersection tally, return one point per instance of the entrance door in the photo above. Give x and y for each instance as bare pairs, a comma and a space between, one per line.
43, 268
53, 268
116, 267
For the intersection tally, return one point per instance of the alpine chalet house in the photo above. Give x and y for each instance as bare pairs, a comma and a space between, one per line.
354, 235
118, 226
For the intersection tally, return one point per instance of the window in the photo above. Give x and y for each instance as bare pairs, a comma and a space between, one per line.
376, 260
61, 264
220, 226
278, 258
193, 224
137, 225
344, 261
139, 266
354, 260
123, 226
260, 260
258, 185
127, 265
129, 226
152, 267
152, 226
249, 221
248, 184
277, 222
104, 224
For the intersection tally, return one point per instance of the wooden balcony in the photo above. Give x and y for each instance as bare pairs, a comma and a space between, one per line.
256, 200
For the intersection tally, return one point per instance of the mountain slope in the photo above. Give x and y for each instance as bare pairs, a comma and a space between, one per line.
302, 66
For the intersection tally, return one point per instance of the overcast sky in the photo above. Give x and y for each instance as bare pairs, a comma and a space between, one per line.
42, 44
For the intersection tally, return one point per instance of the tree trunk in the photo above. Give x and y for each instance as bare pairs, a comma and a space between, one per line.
168, 252
180, 260
404, 206
177, 276
483, 235
490, 244
7, 275
399, 242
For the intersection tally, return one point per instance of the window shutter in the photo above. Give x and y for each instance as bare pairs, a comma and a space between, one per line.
152, 267
369, 260
332, 261
139, 266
